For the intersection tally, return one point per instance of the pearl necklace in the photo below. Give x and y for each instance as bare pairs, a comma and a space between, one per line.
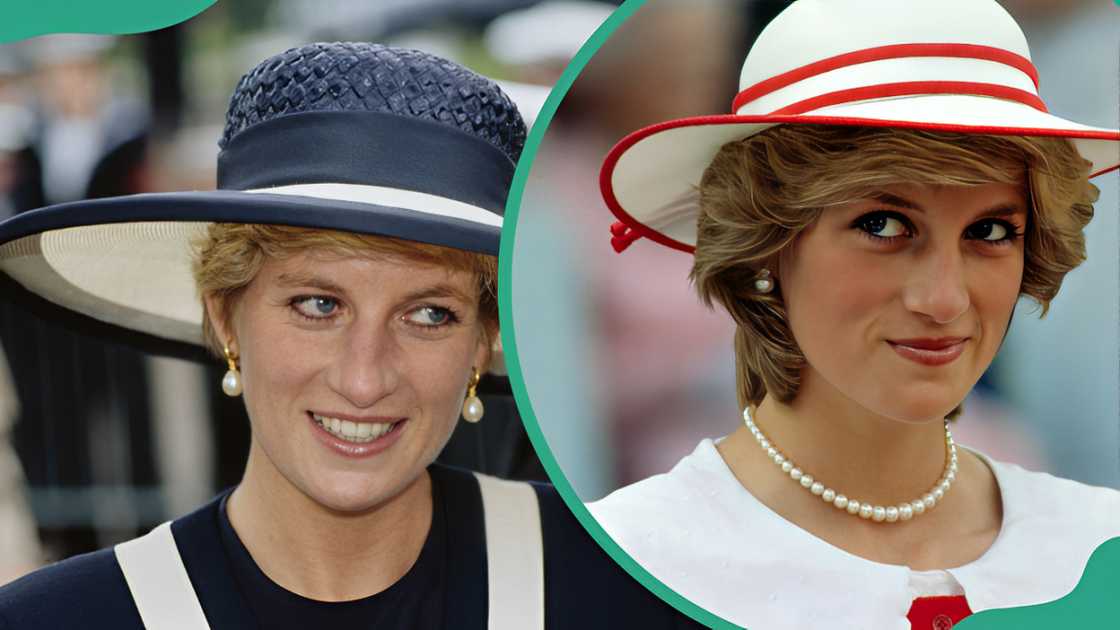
877, 513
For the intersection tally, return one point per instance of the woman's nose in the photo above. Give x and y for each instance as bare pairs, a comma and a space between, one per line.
367, 370
938, 288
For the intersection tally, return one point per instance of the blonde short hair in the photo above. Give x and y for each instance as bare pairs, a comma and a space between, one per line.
229, 256
759, 193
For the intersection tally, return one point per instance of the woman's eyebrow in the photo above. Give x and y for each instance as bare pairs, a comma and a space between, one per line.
304, 280
439, 291
1003, 209
895, 200
298, 279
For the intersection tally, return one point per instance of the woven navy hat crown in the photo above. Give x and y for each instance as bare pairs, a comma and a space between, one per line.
359, 76
426, 145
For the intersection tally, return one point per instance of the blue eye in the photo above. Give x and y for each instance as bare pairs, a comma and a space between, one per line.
432, 316
315, 306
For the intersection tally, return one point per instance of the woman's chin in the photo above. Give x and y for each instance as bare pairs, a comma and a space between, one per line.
919, 411
914, 401
352, 496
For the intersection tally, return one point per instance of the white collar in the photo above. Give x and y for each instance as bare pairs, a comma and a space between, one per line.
698, 530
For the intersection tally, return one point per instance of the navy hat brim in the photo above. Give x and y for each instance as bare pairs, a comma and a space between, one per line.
125, 262
235, 206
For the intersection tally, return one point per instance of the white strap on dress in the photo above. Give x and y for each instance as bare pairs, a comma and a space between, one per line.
166, 600
159, 583
514, 554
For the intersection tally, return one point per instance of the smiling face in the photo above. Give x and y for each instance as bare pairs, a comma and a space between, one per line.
899, 301
354, 369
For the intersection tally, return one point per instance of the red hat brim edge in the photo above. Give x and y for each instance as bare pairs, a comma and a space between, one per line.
615, 154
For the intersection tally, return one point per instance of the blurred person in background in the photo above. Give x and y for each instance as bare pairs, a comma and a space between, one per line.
870, 237
18, 184
76, 426
81, 119
355, 311
537, 42
19, 545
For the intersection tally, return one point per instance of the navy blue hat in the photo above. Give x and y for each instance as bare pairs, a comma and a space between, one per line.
355, 137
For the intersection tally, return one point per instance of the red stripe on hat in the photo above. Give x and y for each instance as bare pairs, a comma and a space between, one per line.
879, 53
912, 88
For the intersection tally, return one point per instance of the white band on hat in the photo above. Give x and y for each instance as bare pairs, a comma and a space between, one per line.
393, 197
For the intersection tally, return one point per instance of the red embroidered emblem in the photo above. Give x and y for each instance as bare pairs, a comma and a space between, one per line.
937, 613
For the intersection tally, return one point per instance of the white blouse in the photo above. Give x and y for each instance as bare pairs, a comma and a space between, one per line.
700, 532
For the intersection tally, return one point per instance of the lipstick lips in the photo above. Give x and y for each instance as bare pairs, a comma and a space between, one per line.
931, 351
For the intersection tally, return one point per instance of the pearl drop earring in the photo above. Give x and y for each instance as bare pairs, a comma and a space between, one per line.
764, 284
472, 406
231, 382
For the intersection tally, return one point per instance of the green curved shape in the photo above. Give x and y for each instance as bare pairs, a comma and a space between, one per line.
29, 18
509, 343
1093, 603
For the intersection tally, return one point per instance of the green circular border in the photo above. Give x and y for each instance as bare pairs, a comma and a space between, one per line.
509, 342
31, 18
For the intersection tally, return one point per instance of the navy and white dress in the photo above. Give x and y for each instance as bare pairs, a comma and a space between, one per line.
499, 554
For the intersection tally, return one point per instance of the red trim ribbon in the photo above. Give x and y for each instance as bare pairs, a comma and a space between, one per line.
896, 51
622, 236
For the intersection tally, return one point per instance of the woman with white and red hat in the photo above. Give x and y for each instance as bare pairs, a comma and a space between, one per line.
888, 186
345, 272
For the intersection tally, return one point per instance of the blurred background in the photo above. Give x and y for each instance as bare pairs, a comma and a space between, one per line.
99, 441
627, 371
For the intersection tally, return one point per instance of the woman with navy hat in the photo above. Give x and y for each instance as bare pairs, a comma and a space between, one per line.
344, 272
888, 186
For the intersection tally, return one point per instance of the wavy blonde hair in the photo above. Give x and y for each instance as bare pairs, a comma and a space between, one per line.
759, 193
229, 256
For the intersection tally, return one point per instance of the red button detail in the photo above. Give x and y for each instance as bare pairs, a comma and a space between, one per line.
942, 622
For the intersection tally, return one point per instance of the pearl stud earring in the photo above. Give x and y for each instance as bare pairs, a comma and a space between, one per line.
764, 284
231, 382
472, 406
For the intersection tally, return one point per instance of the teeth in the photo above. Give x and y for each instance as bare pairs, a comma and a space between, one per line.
354, 431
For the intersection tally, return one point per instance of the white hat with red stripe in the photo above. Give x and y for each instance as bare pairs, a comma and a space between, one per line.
941, 65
